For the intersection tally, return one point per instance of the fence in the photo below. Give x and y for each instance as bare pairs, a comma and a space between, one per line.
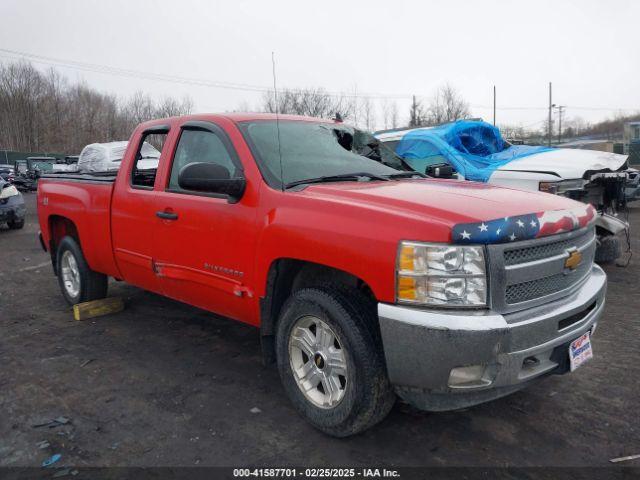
10, 156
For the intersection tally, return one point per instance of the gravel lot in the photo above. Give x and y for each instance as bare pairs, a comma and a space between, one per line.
163, 383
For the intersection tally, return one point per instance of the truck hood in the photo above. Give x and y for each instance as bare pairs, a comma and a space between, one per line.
567, 163
446, 202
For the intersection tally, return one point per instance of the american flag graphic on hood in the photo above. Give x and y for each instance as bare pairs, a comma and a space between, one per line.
524, 227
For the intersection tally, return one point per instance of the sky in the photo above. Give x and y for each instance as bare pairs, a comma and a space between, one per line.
589, 49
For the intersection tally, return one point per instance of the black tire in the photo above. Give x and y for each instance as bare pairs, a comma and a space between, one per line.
608, 249
93, 285
16, 224
368, 396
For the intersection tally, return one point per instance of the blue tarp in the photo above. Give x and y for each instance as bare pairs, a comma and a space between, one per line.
475, 149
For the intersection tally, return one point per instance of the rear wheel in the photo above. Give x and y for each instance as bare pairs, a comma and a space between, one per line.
330, 361
77, 281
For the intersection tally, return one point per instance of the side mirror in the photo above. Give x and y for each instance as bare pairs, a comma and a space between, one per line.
211, 178
440, 170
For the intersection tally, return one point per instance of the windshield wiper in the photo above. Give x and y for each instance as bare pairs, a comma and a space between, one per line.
407, 175
338, 178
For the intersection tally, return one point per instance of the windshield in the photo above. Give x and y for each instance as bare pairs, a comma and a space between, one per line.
311, 150
42, 165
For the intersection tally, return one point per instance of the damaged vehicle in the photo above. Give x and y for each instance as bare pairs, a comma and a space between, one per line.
12, 207
475, 150
27, 172
23, 179
366, 280
7, 172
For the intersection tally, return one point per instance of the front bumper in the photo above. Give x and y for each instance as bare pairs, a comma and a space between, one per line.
422, 346
12, 209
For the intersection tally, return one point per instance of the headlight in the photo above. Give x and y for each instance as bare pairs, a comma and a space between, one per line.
442, 275
9, 192
561, 187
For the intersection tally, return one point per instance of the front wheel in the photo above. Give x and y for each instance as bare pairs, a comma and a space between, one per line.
608, 249
77, 281
16, 224
330, 361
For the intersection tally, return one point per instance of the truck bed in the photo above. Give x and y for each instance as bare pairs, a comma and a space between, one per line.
79, 205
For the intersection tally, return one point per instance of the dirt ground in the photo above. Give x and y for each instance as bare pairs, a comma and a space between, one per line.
163, 383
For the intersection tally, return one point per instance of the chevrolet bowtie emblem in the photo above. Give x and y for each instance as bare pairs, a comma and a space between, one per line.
573, 260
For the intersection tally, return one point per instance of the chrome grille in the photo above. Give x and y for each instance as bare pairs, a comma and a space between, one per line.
521, 292
536, 252
532, 272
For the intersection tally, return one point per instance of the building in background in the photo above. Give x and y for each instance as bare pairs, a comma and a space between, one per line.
632, 142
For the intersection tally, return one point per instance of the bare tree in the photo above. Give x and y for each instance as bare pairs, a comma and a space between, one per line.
575, 126
446, 105
417, 115
170, 107
139, 108
21, 90
385, 108
313, 102
389, 114
546, 128
393, 115
368, 113
43, 112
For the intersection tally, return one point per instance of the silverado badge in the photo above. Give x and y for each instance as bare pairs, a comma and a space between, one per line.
573, 260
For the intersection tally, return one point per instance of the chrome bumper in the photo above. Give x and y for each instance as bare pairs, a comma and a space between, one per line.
422, 346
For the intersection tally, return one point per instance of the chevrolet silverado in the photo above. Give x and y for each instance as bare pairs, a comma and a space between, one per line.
367, 280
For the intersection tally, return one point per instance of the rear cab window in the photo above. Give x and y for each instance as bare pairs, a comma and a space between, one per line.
145, 165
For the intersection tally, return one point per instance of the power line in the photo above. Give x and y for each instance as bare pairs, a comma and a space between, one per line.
110, 70
97, 68
139, 74
603, 108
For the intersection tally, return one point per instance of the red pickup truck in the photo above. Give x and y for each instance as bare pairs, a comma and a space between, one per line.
366, 280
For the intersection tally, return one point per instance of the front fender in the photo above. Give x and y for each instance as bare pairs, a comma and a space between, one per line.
350, 246
611, 224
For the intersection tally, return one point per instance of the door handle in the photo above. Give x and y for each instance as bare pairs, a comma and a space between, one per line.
167, 215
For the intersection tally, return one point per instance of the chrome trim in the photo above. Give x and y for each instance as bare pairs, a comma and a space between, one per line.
442, 319
502, 276
421, 345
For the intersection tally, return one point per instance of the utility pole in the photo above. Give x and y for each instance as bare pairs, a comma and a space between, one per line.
494, 105
414, 120
560, 112
550, 108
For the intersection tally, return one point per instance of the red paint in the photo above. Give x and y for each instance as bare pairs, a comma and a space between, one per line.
217, 255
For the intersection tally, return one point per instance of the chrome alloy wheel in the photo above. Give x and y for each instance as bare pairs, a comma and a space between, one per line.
318, 362
70, 274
